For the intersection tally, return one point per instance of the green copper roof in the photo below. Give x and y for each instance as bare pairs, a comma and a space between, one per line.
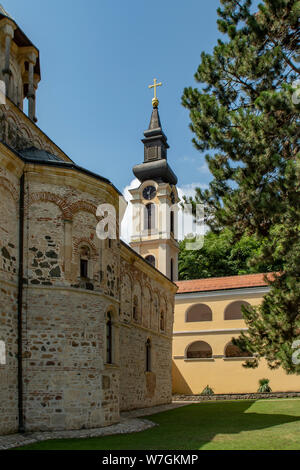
4, 13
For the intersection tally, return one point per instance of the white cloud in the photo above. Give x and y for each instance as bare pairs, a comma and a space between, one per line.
188, 190
203, 168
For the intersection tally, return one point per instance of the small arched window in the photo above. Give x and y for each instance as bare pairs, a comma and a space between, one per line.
233, 351
2, 353
172, 222
234, 310
199, 349
149, 222
148, 355
109, 339
162, 321
84, 262
135, 308
151, 260
199, 312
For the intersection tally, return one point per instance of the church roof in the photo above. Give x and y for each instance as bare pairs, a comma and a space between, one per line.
155, 166
223, 283
39, 155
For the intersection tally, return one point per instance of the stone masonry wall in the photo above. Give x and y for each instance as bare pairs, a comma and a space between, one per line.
9, 198
64, 315
139, 388
67, 383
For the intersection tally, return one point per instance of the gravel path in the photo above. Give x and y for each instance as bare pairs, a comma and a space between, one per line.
130, 422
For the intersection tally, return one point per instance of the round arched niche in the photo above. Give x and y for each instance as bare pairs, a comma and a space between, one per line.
199, 350
234, 351
233, 311
199, 313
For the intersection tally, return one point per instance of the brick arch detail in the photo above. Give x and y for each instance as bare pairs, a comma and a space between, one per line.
10, 188
50, 197
83, 206
86, 241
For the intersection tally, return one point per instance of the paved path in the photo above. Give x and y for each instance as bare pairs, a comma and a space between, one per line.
130, 422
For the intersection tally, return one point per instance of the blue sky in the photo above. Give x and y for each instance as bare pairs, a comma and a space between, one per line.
98, 58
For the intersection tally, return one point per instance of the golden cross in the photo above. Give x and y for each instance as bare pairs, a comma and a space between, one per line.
155, 100
155, 86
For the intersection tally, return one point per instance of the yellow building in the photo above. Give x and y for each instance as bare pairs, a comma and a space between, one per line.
207, 317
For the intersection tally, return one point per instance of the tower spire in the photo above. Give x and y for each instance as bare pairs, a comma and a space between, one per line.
155, 164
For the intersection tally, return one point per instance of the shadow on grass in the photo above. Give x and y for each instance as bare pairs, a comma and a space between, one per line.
193, 426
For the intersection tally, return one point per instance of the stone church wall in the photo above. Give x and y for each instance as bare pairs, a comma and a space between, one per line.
9, 197
66, 381
140, 388
65, 316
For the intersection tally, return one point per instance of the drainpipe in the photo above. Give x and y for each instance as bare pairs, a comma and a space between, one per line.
20, 306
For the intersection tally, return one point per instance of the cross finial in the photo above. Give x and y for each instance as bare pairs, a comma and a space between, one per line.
155, 101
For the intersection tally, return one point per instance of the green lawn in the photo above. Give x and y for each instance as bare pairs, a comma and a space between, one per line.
264, 424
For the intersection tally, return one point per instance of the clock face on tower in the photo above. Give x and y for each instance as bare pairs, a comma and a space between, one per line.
149, 193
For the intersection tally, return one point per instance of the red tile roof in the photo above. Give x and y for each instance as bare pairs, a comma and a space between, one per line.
222, 283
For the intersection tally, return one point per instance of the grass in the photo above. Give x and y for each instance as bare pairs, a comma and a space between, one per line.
239, 425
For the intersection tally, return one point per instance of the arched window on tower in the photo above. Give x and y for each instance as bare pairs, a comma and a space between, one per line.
148, 355
172, 224
149, 222
150, 259
109, 339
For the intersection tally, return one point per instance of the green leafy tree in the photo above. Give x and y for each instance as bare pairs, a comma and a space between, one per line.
221, 255
246, 115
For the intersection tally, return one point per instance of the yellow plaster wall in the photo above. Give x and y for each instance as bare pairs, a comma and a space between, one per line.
224, 375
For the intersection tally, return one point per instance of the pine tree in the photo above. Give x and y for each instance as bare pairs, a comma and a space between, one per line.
246, 115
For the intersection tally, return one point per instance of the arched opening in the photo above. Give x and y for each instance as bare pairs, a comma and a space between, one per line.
233, 351
151, 260
199, 349
85, 255
135, 309
109, 339
162, 322
149, 222
172, 224
199, 312
148, 355
234, 310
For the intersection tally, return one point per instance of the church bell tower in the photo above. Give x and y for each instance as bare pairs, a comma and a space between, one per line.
155, 201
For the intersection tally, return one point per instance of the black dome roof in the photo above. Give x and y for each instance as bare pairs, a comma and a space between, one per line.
39, 155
